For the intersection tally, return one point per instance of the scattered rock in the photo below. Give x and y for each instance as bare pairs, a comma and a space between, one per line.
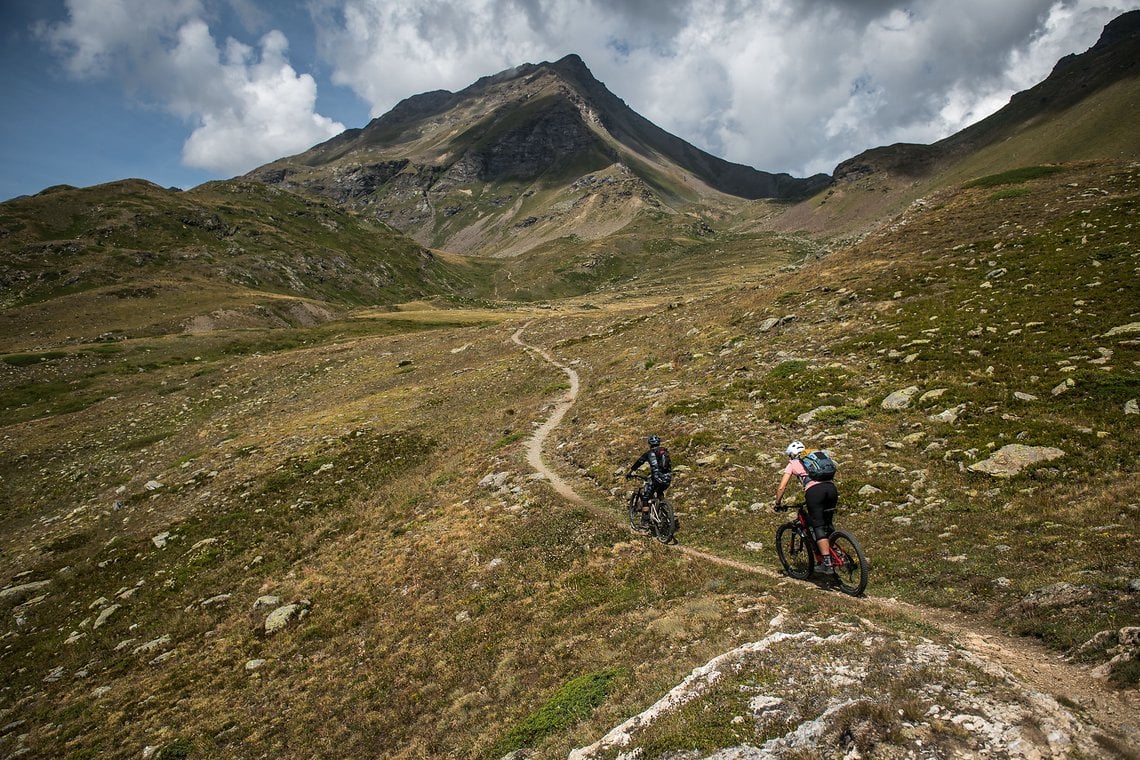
203, 542
869, 490
1131, 407
153, 485
931, 395
1057, 595
900, 399
153, 645
902, 520
949, 416
54, 675
105, 615
754, 546
1063, 386
252, 665
1011, 459
494, 480
1024, 396
213, 601
282, 616
22, 591
269, 600
1131, 327
161, 539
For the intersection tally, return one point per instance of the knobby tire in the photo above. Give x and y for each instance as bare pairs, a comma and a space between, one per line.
794, 555
851, 576
663, 530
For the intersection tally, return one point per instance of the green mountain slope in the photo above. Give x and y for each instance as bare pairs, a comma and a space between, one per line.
135, 258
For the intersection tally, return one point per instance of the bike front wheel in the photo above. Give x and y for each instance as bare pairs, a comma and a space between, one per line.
634, 508
850, 564
795, 555
664, 524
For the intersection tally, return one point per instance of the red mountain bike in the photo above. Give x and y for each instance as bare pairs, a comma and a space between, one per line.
799, 553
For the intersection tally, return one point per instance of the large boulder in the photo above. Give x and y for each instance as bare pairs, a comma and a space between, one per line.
1012, 459
900, 399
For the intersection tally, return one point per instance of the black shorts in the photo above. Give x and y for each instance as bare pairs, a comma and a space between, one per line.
821, 500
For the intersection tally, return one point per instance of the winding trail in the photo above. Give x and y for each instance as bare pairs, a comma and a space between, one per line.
1044, 670
534, 446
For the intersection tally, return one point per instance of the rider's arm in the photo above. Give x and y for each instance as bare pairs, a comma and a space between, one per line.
641, 460
783, 486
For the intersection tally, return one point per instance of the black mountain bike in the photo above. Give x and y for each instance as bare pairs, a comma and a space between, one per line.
662, 521
799, 553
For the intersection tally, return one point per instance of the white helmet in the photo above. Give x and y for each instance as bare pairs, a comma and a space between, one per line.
795, 448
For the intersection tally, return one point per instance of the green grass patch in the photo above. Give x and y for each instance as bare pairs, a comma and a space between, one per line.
1015, 176
570, 704
507, 440
839, 415
1010, 192
26, 360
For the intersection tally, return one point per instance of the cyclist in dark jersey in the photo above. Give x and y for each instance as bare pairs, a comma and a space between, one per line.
821, 498
660, 474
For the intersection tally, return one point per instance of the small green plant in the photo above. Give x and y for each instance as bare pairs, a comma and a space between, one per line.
788, 368
1010, 192
570, 704
839, 415
179, 749
507, 440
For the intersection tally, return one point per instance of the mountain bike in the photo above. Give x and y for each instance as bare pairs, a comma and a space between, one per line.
799, 553
662, 520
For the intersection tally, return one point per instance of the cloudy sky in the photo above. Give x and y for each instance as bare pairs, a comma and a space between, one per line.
182, 91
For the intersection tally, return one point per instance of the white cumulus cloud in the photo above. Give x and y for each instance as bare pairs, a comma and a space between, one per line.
782, 85
246, 105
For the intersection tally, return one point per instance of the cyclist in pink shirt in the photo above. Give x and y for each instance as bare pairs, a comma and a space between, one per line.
820, 497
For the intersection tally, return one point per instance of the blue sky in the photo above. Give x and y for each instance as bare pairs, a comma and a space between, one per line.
183, 91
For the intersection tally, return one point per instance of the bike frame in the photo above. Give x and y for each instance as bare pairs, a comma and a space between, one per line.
809, 540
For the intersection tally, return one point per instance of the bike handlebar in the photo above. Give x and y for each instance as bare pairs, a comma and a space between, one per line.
788, 507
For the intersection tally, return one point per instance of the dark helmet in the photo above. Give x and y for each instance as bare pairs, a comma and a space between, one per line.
654, 440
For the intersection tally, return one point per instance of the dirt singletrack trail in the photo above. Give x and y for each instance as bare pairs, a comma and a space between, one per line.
1115, 711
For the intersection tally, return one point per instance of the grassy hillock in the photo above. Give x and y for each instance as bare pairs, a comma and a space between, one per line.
138, 259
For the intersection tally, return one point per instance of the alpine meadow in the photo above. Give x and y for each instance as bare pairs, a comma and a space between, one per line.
326, 460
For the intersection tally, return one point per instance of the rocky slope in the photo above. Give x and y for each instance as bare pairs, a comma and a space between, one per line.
517, 159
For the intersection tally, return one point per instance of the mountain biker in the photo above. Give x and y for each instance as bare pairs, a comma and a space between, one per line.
821, 497
660, 474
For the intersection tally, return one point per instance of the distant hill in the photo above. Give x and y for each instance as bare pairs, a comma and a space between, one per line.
132, 256
1085, 110
517, 159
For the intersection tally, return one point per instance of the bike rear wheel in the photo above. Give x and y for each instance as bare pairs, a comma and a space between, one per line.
795, 555
663, 525
851, 565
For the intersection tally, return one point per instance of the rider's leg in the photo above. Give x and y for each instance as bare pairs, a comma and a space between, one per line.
818, 497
